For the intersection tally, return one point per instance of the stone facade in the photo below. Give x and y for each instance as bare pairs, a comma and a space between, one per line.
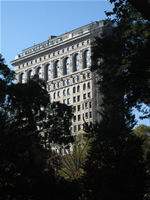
64, 62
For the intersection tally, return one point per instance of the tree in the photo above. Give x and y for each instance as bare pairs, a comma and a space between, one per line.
142, 131
55, 128
116, 167
143, 6
24, 161
133, 35
73, 160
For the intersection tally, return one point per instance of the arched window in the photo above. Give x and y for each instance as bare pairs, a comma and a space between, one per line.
30, 74
88, 85
54, 95
39, 70
56, 69
78, 88
76, 63
66, 66
21, 78
64, 92
47, 72
86, 59
68, 91
74, 90
58, 94
77, 57
84, 86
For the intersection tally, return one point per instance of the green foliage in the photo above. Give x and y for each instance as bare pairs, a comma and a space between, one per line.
27, 119
133, 34
57, 123
143, 132
116, 167
72, 162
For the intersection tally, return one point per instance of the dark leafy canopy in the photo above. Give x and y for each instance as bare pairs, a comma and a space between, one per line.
133, 35
116, 167
6, 78
143, 6
24, 116
57, 123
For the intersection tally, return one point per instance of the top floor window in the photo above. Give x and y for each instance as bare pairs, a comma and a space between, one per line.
75, 63
66, 66
86, 59
21, 78
30, 74
47, 72
56, 69
39, 70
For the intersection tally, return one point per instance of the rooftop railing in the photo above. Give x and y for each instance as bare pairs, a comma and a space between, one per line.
53, 40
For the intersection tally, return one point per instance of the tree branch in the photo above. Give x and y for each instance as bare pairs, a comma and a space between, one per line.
143, 6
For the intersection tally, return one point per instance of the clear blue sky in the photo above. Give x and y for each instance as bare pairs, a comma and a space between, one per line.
25, 23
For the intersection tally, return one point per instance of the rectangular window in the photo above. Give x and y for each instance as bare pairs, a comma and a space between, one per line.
68, 101
86, 105
64, 92
88, 75
64, 82
78, 107
78, 98
74, 79
82, 106
74, 108
64, 101
86, 115
79, 127
79, 117
84, 76
84, 96
74, 128
58, 93
90, 114
90, 104
74, 118
89, 95
74, 99
54, 85
67, 71
49, 87
54, 95
58, 84
68, 81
